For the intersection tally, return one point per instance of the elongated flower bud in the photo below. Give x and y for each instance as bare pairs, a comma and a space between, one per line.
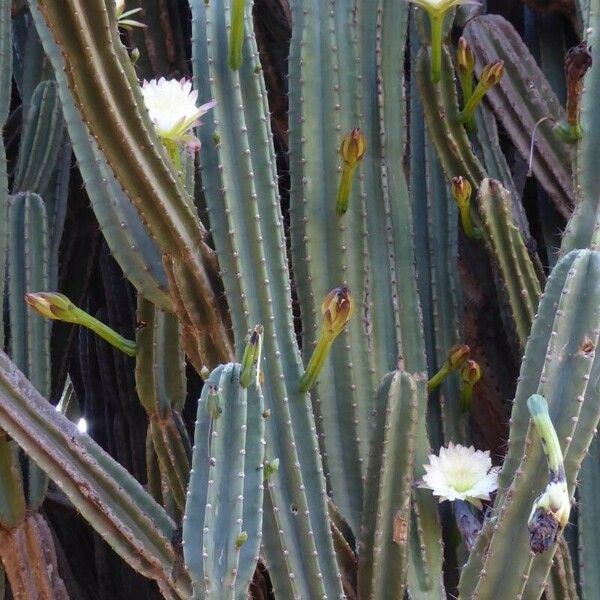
251, 355
577, 63
58, 307
492, 74
465, 58
337, 309
353, 148
53, 305
461, 192
470, 374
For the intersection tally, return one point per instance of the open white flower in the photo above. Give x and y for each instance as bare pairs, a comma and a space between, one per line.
172, 108
461, 473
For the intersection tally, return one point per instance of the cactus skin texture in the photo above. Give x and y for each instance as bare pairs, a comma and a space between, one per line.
161, 389
383, 562
162, 201
225, 495
506, 244
119, 509
342, 515
240, 187
560, 364
30, 333
520, 100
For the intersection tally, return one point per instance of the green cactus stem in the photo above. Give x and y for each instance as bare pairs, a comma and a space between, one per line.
490, 76
119, 508
58, 307
236, 34
337, 309
457, 355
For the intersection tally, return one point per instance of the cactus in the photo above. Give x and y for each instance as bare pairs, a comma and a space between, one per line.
319, 322
229, 448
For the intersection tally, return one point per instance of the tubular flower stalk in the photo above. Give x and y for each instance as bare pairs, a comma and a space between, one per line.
457, 355
550, 511
59, 308
352, 149
490, 76
436, 10
461, 192
337, 309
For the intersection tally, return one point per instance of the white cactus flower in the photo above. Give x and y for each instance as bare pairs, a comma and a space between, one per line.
172, 108
461, 473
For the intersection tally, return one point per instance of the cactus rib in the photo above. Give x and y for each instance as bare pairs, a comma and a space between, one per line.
114, 503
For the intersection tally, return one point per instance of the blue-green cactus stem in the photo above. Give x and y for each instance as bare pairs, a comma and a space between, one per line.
135, 251
225, 495
520, 100
383, 552
43, 132
119, 509
240, 186
560, 365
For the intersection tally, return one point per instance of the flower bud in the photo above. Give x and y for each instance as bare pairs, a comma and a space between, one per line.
353, 147
457, 355
241, 539
213, 402
461, 191
53, 306
337, 309
271, 466
251, 356
465, 58
492, 74
470, 373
